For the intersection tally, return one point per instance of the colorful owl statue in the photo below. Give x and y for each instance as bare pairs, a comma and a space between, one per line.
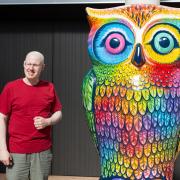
131, 94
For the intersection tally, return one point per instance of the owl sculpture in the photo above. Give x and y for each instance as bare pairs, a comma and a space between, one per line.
131, 94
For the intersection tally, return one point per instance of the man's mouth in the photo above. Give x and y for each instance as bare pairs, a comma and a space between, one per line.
30, 73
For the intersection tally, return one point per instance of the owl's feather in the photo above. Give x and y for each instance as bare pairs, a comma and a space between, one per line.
88, 89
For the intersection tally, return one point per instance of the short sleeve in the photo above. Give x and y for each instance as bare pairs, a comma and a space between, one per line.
5, 100
56, 106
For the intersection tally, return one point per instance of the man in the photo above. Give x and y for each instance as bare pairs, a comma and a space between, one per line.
28, 108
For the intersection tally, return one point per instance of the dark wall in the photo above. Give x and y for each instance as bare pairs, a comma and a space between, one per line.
71, 137
60, 33
62, 38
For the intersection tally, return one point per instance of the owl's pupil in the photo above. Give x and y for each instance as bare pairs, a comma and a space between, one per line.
164, 42
114, 42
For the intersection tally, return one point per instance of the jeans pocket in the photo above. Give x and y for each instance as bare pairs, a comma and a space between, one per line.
46, 155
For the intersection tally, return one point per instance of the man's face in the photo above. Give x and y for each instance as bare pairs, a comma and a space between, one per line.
33, 66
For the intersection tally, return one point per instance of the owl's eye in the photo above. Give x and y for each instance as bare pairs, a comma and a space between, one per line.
163, 42
113, 43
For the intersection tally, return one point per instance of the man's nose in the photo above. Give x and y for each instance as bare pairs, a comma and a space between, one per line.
31, 66
138, 58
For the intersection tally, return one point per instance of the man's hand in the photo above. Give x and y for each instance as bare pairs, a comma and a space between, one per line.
5, 158
41, 123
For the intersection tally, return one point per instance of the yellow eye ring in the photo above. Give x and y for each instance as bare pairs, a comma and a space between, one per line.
162, 32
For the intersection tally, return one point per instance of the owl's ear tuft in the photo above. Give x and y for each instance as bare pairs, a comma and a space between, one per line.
90, 16
90, 11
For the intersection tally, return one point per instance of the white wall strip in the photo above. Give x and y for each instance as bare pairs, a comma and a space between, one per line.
26, 2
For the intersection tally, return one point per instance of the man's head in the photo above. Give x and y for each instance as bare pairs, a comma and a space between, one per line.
33, 65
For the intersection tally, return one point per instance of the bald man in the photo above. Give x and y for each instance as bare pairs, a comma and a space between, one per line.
31, 107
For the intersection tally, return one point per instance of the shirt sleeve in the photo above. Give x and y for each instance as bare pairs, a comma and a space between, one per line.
56, 106
5, 101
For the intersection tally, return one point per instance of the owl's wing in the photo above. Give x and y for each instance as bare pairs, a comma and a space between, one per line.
88, 89
178, 146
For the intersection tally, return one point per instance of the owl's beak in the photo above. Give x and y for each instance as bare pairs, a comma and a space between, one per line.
138, 58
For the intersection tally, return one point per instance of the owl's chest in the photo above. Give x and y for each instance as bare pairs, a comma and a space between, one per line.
131, 116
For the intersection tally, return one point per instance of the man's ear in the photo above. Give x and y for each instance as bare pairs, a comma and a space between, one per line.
43, 67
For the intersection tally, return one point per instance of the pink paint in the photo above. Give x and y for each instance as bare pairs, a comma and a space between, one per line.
121, 44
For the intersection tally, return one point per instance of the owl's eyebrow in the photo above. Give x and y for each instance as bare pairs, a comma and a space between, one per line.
118, 18
156, 19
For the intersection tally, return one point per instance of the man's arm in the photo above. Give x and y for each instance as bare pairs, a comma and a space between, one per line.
41, 123
5, 156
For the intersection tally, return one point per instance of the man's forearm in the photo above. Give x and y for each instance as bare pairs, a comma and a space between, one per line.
55, 118
41, 122
3, 127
